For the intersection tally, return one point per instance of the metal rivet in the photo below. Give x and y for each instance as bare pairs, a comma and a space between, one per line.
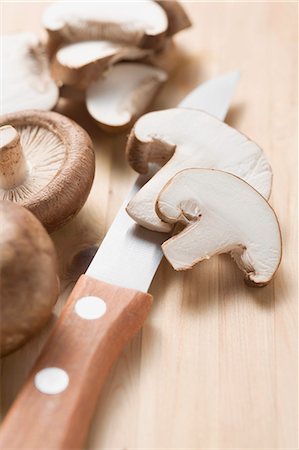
51, 380
90, 307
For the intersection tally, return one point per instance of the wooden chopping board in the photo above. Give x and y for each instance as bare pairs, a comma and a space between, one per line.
215, 366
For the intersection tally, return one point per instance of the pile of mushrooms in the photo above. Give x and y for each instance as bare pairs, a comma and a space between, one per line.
112, 55
215, 182
46, 171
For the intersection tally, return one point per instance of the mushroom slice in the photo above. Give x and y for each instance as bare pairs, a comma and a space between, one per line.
222, 214
184, 138
177, 17
125, 92
80, 63
46, 164
143, 23
25, 76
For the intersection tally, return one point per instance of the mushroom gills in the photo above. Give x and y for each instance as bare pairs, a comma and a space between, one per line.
47, 164
25, 166
124, 94
25, 75
181, 138
230, 217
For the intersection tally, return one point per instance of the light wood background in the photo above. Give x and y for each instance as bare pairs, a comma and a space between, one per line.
215, 366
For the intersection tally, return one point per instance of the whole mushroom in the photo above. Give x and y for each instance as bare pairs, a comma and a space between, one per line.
47, 164
28, 281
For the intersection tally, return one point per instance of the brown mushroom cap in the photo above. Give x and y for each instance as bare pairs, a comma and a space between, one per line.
28, 280
59, 161
178, 19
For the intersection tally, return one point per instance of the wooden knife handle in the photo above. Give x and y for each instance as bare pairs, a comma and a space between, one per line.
55, 406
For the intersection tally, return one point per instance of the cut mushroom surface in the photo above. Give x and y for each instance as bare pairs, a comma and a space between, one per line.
79, 54
181, 138
25, 75
222, 214
124, 94
46, 164
143, 23
80, 63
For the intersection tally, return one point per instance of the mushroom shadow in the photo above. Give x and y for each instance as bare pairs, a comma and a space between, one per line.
220, 280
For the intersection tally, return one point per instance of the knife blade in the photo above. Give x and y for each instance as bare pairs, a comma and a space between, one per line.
129, 255
105, 309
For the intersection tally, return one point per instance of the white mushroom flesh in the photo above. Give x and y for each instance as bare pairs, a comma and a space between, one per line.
124, 21
44, 153
124, 93
25, 78
190, 138
80, 54
222, 214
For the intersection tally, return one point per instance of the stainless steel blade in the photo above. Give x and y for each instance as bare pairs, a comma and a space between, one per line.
213, 96
129, 254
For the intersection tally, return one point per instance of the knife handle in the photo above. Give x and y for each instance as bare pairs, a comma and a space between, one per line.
54, 408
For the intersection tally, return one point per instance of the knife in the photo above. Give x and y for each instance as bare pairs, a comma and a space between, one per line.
107, 306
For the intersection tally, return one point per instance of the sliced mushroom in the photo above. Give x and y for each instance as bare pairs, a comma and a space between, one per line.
28, 282
124, 94
46, 164
222, 214
184, 138
143, 24
177, 17
80, 63
25, 76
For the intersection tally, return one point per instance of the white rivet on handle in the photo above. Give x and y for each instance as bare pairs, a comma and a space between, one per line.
51, 380
90, 307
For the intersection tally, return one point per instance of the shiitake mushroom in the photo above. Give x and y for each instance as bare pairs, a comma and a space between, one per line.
29, 285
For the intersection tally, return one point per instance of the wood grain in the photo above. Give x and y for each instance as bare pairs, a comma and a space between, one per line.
85, 350
215, 366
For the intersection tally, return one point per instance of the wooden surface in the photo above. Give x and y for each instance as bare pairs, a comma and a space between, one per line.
215, 366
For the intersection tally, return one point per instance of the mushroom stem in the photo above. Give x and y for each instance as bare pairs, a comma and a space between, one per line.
13, 166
